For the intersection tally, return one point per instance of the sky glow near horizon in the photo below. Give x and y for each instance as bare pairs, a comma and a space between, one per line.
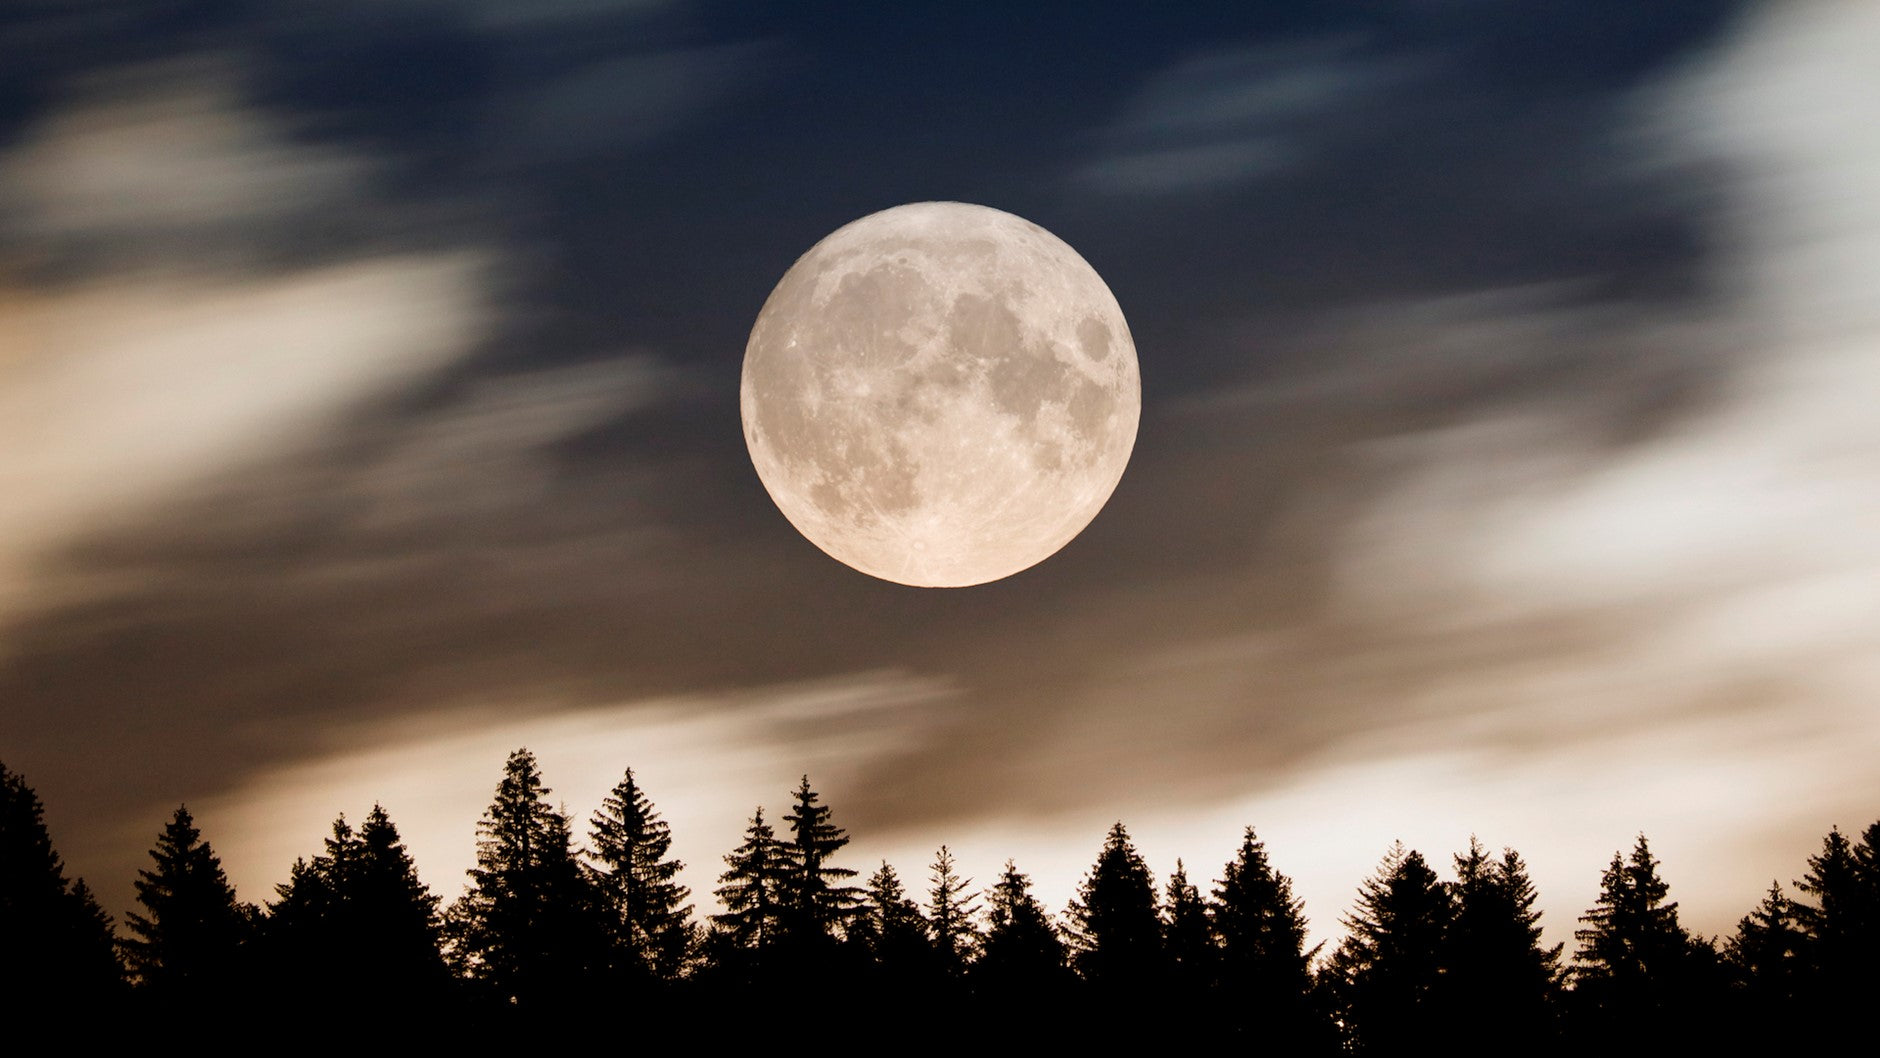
327, 492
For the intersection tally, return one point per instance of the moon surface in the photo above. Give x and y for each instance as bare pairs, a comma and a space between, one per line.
940, 394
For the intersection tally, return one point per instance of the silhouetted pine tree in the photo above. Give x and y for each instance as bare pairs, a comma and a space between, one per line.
816, 904
653, 930
1115, 930
394, 928
1023, 974
950, 914
1639, 973
895, 934
1840, 924
895, 973
56, 940
353, 919
302, 950
1264, 969
753, 892
1496, 975
1867, 864
529, 927
1387, 969
1767, 962
1188, 938
188, 943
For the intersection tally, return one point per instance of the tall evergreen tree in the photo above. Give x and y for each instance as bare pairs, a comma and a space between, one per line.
1767, 962
752, 889
1023, 949
57, 941
652, 921
1867, 862
1387, 968
1496, 974
304, 904
1640, 973
817, 904
1115, 929
394, 925
188, 942
528, 926
950, 914
1188, 938
898, 938
1265, 970
302, 949
355, 918
1840, 922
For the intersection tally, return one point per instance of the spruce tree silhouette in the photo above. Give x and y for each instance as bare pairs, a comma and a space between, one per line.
529, 927
1265, 971
189, 940
950, 913
892, 972
1024, 954
1767, 962
394, 926
56, 939
1188, 938
1639, 973
1840, 923
1386, 971
1496, 974
653, 934
816, 903
354, 918
1022, 980
897, 937
301, 944
753, 892
1115, 930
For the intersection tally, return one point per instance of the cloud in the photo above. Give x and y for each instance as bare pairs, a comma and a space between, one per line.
162, 160
155, 371
1521, 546
121, 393
506, 15
1226, 117
706, 761
626, 102
1699, 601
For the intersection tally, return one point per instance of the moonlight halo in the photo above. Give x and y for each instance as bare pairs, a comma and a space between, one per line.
940, 394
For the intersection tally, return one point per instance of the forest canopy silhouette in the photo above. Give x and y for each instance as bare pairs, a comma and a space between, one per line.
552, 921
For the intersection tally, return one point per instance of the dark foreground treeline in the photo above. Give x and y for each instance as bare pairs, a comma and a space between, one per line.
602, 942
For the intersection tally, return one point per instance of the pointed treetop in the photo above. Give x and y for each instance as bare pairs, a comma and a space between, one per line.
816, 901
652, 931
752, 888
51, 929
1114, 921
193, 928
951, 908
1023, 951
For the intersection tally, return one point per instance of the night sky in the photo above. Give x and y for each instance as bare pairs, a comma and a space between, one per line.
1509, 461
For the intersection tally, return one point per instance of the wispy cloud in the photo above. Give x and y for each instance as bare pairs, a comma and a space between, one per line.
707, 760
629, 101
156, 370
164, 163
1227, 117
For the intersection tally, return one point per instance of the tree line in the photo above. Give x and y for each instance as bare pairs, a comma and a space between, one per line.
604, 930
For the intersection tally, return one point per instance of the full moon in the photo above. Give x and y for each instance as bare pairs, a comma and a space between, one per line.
940, 394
